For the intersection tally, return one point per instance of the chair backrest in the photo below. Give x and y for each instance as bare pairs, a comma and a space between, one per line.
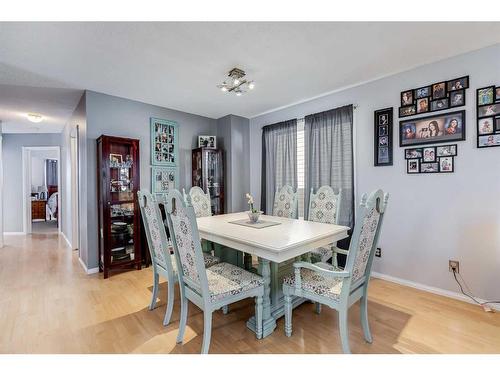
186, 241
155, 231
200, 201
285, 203
365, 237
324, 206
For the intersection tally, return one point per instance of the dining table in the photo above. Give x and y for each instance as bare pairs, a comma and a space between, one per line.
277, 242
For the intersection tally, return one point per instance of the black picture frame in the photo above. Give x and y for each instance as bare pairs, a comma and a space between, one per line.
430, 149
413, 113
452, 163
443, 100
424, 164
442, 94
416, 140
464, 84
383, 137
415, 162
413, 153
453, 95
453, 147
419, 165
492, 138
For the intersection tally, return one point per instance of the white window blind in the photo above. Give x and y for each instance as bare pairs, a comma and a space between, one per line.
300, 165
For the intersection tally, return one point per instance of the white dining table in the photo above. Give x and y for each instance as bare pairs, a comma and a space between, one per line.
276, 247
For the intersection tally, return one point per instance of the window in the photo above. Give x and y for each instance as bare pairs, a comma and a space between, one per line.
300, 165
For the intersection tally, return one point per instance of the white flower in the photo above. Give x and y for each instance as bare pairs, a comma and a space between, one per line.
250, 198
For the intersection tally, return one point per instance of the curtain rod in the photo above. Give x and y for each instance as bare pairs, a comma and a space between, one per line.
304, 117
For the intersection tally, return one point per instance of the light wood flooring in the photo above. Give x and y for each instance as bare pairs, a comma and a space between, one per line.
49, 305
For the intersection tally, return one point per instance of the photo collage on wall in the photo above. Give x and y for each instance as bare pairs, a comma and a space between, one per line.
488, 116
431, 159
383, 137
164, 155
438, 96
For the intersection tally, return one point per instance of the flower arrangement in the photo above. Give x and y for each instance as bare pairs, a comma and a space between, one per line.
250, 203
253, 214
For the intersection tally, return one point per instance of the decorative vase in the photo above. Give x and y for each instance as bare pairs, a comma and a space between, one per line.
254, 216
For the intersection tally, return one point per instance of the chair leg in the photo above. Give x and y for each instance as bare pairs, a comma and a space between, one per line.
156, 280
258, 317
344, 330
207, 331
318, 307
335, 262
288, 315
225, 309
170, 302
364, 319
183, 321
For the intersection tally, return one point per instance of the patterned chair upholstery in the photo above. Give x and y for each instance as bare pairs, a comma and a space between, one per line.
286, 203
200, 200
339, 289
324, 207
208, 288
161, 258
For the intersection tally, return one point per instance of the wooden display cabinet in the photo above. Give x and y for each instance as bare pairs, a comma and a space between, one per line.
118, 179
208, 174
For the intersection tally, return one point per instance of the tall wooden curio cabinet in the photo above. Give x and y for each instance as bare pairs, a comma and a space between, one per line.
118, 179
208, 174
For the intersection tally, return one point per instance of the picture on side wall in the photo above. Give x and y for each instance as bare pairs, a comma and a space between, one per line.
383, 119
164, 149
163, 179
431, 159
488, 116
207, 141
447, 127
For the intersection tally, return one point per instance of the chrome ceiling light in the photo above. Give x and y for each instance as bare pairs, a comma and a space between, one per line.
236, 83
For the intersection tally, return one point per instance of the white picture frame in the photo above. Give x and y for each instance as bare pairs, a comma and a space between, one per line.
207, 141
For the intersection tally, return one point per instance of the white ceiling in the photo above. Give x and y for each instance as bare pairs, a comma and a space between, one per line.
178, 65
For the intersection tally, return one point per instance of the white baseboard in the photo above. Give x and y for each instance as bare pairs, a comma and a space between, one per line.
431, 289
14, 233
88, 271
65, 238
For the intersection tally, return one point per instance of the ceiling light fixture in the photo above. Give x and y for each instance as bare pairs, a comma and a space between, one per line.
238, 83
35, 117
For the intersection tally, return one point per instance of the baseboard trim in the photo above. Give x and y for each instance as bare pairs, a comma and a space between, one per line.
88, 271
14, 233
66, 239
431, 289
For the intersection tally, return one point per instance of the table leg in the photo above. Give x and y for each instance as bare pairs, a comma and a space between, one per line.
268, 321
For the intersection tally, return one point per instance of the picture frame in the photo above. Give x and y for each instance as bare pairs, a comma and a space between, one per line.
497, 94
406, 98
442, 128
439, 90
460, 83
431, 159
413, 153
488, 116
115, 160
439, 104
432, 167
423, 92
423, 105
446, 164
383, 137
488, 110
486, 95
485, 125
407, 111
497, 124
429, 154
163, 179
207, 141
164, 142
447, 150
457, 98
413, 166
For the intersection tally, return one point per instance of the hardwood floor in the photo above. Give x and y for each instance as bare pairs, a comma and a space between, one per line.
49, 305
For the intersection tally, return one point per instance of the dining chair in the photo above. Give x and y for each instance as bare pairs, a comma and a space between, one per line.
208, 288
160, 251
286, 203
200, 200
336, 288
324, 207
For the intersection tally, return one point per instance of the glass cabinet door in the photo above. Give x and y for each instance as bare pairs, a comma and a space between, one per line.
122, 232
214, 179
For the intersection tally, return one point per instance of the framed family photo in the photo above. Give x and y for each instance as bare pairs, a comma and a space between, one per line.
447, 127
163, 179
383, 119
488, 116
164, 142
207, 141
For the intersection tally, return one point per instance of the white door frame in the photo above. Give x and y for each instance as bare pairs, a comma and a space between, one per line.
27, 227
74, 184
1, 187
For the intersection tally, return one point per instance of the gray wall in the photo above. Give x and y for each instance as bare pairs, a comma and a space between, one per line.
13, 176
430, 218
126, 118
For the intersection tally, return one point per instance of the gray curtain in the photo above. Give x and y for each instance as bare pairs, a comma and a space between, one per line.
279, 160
329, 157
51, 172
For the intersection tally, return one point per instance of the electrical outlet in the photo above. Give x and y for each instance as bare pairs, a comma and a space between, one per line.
378, 252
454, 265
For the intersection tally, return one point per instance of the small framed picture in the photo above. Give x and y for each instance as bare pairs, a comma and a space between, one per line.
413, 153
485, 125
446, 164
207, 141
457, 98
497, 93
429, 154
383, 119
497, 124
422, 105
458, 83
489, 140
407, 111
406, 98
423, 92
488, 110
448, 150
439, 90
439, 104
383, 155
115, 159
429, 167
486, 95
383, 141
382, 130
413, 166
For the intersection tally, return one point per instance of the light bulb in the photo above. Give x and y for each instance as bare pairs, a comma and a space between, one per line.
251, 86
236, 81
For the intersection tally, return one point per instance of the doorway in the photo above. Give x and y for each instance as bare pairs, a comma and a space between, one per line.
41, 190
